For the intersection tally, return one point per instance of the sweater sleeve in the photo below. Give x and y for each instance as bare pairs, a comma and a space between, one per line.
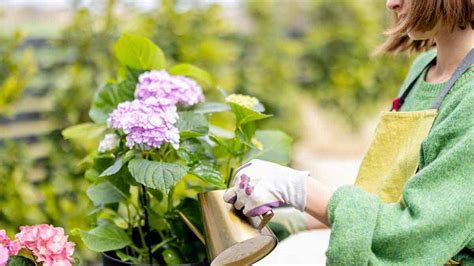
435, 219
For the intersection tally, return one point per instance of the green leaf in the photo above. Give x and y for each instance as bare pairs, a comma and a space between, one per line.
108, 97
121, 160
245, 115
190, 207
276, 147
211, 107
223, 124
246, 132
232, 146
105, 237
193, 72
138, 52
114, 168
172, 257
84, 131
192, 150
122, 180
208, 174
126, 258
157, 175
105, 193
128, 156
192, 124
132, 74
158, 195
157, 221
20, 261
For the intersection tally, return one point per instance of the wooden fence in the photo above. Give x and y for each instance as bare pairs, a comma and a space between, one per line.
30, 122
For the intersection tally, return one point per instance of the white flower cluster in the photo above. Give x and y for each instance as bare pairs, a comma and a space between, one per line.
243, 100
109, 142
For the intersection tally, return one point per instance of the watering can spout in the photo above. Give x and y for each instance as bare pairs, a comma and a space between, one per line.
230, 237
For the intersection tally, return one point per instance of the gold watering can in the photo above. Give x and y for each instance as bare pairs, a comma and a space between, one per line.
230, 237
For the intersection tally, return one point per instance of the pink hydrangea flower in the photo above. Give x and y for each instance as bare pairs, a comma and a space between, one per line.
177, 89
48, 244
7, 248
150, 122
4, 255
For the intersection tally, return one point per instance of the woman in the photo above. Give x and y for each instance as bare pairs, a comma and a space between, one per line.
413, 201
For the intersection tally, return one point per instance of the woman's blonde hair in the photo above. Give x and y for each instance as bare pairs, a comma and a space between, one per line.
424, 15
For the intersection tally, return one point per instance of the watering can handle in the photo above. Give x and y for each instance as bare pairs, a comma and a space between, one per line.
265, 218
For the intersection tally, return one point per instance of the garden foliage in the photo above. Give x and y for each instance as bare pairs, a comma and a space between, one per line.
280, 52
163, 143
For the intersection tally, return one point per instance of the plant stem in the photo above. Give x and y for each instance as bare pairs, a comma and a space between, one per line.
162, 243
229, 179
134, 248
130, 223
170, 199
142, 236
227, 176
230, 171
147, 225
168, 151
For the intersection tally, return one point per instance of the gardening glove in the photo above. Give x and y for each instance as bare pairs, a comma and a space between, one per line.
260, 186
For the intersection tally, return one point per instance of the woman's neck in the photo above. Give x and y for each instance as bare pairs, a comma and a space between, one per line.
452, 47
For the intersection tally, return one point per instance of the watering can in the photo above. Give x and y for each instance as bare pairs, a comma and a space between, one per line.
230, 237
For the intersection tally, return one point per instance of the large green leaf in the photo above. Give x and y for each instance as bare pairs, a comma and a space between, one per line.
105, 193
208, 174
105, 237
246, 132
222, 124
121, 160
193, 72
191, 124
192, 150
138, 52
158, 175
245, 115
108, 97
276, 147
233, 146
114, 168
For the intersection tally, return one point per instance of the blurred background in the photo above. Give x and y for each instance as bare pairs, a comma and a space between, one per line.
308, 61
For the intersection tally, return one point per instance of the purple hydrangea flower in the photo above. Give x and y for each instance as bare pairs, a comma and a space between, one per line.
177, 89
150, 122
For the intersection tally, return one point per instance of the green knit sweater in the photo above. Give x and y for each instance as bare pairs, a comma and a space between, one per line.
437, 222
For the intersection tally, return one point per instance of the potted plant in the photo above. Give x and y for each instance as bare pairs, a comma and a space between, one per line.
162, 143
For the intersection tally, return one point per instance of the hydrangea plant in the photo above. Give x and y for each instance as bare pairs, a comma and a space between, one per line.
41, 244
160, 144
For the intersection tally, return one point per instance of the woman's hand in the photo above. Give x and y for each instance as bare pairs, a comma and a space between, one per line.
260, 186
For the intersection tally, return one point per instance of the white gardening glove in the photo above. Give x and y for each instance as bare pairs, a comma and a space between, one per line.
260, 186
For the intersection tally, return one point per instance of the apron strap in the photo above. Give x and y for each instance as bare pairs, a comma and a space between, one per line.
465, 64
398, 102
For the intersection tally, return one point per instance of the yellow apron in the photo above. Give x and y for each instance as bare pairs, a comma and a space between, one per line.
394, 154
